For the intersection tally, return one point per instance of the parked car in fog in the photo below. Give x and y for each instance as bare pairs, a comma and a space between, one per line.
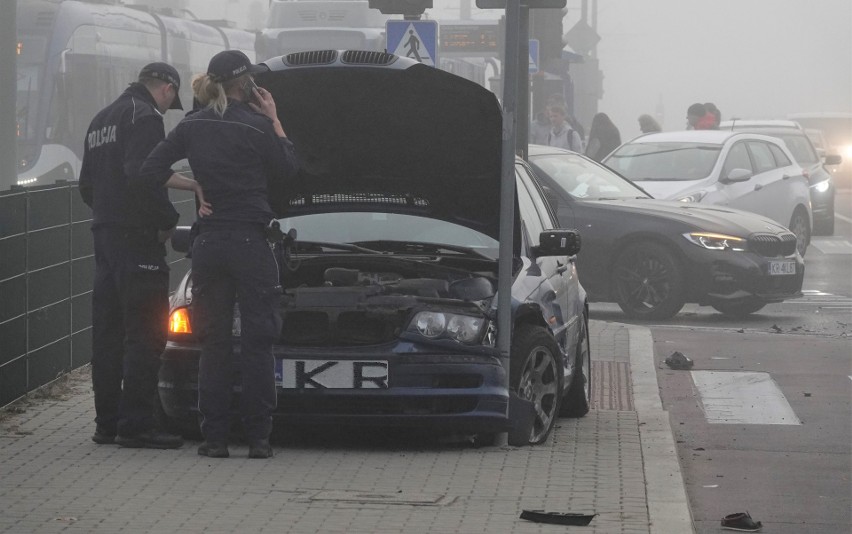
821, 188
751, 172
389, 296
652, 256
836, 128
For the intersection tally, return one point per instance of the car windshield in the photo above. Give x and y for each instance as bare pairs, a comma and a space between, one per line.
583, 179
800, 147
664, 161
360, 227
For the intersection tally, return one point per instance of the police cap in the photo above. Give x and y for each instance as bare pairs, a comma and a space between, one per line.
230, 64
166, 73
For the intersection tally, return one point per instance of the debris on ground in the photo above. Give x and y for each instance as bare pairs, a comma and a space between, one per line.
741, 522
557, 518
776, 329
678, 361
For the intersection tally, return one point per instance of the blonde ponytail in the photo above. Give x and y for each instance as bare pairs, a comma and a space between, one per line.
209, 93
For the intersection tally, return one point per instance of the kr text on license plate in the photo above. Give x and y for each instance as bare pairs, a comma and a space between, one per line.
782, 267
331, 374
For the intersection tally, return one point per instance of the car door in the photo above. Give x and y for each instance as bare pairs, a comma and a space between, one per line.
745, 195
559, 287
770, 183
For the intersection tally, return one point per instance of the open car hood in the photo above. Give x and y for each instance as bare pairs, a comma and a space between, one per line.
381, 133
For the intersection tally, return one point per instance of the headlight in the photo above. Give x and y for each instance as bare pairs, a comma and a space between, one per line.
712, 241
822, 187
694, 197
436, 325
847, 151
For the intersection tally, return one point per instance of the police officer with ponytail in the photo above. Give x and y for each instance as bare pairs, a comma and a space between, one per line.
237, 150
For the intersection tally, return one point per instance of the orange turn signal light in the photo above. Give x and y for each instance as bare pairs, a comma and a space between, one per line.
179, 322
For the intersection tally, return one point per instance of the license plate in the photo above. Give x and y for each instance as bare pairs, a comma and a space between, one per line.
331, 374
782, 267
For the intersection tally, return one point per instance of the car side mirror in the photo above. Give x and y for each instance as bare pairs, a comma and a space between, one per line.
557, 243
833, 159
182, 239
737, 175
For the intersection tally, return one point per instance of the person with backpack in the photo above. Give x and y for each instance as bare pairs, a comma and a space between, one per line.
561, 134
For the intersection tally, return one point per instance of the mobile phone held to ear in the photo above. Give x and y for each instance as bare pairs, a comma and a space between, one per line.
249, 88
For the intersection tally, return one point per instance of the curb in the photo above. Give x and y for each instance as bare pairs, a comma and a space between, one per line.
668, 506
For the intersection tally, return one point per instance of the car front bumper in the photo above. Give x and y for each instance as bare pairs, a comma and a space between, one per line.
729, 276
444, 391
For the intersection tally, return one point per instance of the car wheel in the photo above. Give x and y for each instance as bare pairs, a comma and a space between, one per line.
648, 282
537, 377
577, 400
739, 309
799, 226
825, 225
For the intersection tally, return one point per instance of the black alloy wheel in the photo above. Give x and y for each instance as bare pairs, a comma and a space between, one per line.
740, 308
537, 376
799, 225
578, 399
648, 281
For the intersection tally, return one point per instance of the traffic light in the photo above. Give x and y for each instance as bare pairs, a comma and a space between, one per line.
546, 26
401, 7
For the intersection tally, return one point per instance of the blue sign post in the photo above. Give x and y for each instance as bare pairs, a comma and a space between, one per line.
417, 39
533, 56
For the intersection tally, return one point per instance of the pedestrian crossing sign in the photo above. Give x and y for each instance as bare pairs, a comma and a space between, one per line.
533, 56
417, 39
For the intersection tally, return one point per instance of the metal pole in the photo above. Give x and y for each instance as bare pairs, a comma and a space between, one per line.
522, 137
8, 87
507, 191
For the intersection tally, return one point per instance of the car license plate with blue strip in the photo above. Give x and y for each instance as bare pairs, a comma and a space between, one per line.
331, 374
778, 268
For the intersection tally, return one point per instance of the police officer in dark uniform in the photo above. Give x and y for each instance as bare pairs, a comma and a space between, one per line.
131, 286
237, 150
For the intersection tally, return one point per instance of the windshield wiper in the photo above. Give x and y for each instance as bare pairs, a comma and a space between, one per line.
334, 246
421, 248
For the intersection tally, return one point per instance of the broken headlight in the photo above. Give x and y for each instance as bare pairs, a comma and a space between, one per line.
440, 325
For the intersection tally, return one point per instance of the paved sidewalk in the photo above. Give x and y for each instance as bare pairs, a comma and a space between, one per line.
618, 462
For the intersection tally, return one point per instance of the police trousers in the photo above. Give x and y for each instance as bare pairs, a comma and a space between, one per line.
235, 265
130, 306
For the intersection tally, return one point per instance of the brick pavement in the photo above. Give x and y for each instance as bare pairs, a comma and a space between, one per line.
54, 479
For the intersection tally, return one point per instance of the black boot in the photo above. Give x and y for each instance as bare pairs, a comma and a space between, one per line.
260, 448
213, 450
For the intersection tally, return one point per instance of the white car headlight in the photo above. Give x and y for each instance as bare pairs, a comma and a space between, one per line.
435, 325
694, 197
822, 187
712, 241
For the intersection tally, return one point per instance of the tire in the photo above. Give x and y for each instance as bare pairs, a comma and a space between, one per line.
799, 225
739, 309
648, 281
536, 374
578, 398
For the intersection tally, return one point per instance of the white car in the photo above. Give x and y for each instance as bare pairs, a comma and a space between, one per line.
751, 172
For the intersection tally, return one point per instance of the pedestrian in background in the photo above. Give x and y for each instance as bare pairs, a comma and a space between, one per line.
717, 115
131, 287
648, 124
238, 150
698, 118
604, 137
561, 134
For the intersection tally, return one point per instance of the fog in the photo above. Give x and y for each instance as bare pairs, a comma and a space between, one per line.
752, 58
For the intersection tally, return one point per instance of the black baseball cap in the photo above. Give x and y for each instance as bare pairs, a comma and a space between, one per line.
231, 64
167, 73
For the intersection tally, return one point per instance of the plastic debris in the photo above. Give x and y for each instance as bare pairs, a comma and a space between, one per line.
557, 518
741, 522
678, 361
